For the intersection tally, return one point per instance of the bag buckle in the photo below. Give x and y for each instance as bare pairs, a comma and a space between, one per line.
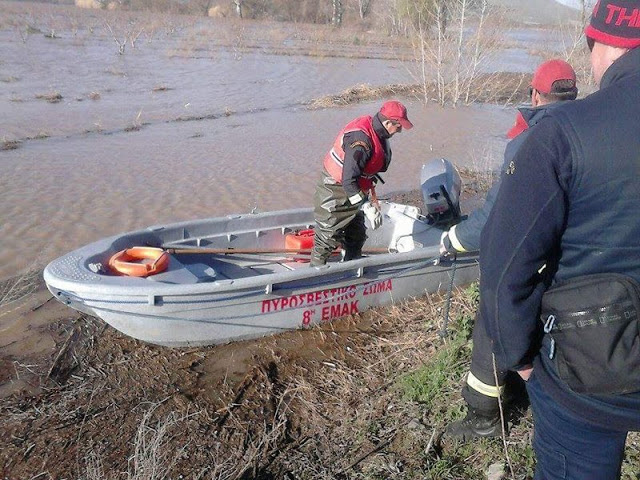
548, 326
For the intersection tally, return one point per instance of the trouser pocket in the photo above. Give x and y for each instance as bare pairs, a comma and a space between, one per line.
551, 464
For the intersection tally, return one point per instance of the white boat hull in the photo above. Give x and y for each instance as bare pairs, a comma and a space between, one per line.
249, 296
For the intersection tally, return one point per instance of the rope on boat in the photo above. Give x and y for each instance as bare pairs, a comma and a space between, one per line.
447, 305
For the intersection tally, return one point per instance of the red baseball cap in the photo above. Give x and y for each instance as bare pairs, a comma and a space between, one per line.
615, 23
394, 110
550, 72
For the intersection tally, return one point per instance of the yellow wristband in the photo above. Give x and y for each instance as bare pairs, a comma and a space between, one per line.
455, 243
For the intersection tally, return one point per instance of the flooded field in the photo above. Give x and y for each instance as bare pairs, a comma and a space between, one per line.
196, 118
113, 121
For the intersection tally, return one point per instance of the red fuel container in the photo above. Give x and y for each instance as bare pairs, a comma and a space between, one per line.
301, 240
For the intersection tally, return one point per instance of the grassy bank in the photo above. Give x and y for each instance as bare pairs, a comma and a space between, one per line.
365, 397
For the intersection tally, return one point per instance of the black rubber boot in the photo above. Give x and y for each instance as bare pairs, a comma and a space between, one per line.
352, 254
475, 425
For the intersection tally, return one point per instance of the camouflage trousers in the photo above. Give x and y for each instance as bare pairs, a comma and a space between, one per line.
338, 223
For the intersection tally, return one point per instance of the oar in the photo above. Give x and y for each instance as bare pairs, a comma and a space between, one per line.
256, 251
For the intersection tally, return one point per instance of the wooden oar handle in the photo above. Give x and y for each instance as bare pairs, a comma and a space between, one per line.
255, 251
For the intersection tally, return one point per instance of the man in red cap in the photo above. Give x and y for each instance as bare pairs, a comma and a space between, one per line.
554, 82
559, 291
361, 151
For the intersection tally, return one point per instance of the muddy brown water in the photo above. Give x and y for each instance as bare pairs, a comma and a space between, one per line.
199, 119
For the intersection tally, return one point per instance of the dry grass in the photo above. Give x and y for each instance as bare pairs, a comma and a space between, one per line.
17, 288
136, 125
10, 144
360, 93
500, 88
39, 136
282, 38
161, 88
151, 459
115, 72
51, 97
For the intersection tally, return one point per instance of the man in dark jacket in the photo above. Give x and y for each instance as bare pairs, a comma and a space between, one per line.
570, 202
360, 151
553, 82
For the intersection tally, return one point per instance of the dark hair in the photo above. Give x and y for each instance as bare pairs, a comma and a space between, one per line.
562, 90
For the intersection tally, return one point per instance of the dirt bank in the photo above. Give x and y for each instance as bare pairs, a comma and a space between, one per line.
324, 403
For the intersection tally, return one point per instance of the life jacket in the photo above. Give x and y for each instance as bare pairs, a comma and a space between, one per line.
334, 159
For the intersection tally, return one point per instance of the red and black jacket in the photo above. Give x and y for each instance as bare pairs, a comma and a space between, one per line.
359, 152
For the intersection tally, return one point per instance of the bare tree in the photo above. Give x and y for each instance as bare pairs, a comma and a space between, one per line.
131, 35
238, 4
572, 50
585, 9
441, 25
477, 56
441, 14
337, 11
364, 6
23, 33
452, 44
462, 4
421, 48
122, 44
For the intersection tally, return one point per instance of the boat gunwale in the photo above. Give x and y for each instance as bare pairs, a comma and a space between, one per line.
132, 286
425, 254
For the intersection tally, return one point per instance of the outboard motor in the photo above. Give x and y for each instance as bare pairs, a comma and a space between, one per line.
441, 183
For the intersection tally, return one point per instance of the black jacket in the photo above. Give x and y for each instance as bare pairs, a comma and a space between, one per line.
571, 202
468, 231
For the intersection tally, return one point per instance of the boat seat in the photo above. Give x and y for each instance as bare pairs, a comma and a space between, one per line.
181, 273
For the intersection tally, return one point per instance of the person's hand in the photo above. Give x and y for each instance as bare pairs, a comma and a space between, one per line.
525, 373
373, 214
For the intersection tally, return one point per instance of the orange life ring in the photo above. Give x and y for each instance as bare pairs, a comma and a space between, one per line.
139, 261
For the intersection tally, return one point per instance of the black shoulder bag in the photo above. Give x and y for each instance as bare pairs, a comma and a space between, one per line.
593, 325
